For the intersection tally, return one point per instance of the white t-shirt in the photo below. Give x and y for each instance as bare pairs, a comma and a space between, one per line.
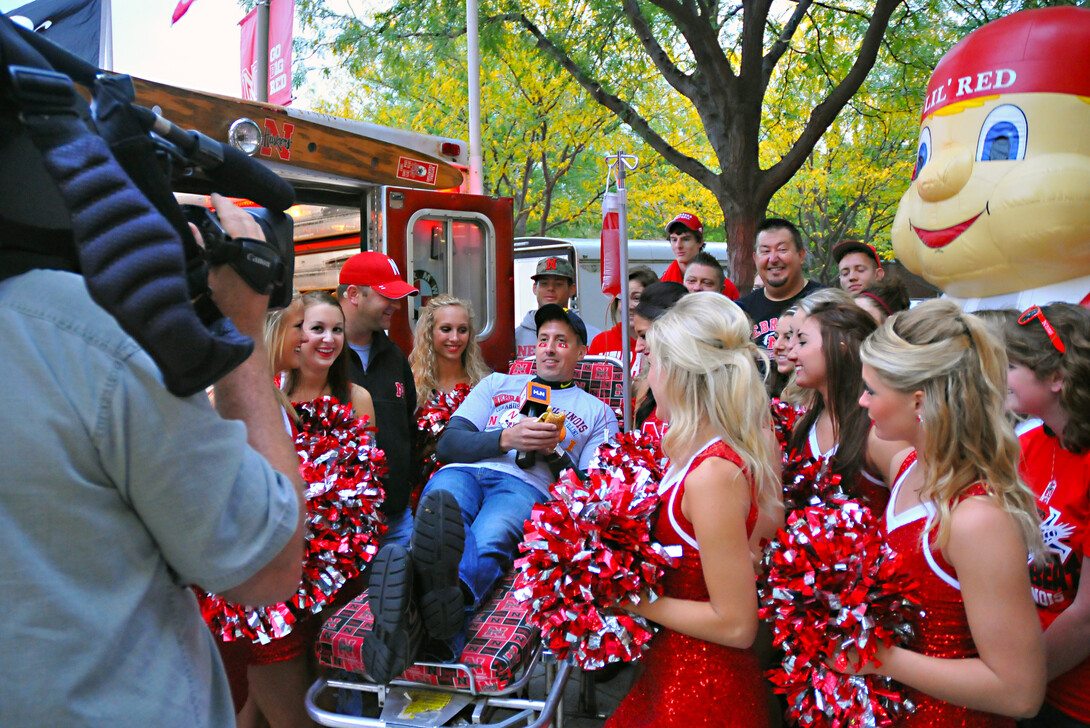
494, 404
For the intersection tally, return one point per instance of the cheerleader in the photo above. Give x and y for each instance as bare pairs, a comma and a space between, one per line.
608, 343
825, 353
323, 359
446, 362
1049, 379
960, 517
701, 669
277, 672
445, 349
657, 299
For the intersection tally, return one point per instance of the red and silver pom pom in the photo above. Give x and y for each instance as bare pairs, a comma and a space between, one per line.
589, 550
808, 482
783, 422
431, 420
342, 468
832, 589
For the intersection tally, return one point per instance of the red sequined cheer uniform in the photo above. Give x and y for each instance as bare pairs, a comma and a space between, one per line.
944, 629
689, 682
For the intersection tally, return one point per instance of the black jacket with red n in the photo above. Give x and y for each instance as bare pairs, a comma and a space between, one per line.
389, 380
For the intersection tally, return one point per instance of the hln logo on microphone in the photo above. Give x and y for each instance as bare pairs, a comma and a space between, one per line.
539, 393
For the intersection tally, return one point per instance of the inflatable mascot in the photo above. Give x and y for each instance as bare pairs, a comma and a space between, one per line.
998, 213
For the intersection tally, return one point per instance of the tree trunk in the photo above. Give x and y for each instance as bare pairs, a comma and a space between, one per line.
741, 221
743, 269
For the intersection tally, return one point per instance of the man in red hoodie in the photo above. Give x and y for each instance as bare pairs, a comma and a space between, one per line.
685, 234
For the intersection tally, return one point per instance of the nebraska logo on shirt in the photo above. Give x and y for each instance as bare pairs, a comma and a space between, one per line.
399, 389
765, 331
654, 428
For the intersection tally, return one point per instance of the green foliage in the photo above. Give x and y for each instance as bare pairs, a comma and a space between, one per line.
543, 145
733, 110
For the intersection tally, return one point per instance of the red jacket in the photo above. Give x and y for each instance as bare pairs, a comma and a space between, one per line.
673, 274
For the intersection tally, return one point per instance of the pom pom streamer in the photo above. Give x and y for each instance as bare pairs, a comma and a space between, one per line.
832, 590
431, 420
783, 422
341, 467
589, 550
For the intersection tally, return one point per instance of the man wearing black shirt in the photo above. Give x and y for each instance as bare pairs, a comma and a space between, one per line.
371, 289
779, 254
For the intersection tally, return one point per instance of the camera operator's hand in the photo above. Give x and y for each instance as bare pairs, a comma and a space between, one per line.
240, 303
247, 394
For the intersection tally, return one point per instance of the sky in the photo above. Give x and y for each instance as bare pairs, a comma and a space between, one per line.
200, 52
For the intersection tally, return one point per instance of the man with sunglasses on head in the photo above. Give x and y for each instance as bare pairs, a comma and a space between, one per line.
779, 254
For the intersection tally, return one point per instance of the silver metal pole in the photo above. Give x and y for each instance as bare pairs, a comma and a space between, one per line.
261, 52
473, 67
626, 342
106, 37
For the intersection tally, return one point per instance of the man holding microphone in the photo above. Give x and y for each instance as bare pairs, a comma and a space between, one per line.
469, 521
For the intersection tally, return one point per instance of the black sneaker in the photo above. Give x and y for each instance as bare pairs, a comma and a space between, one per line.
396, 637
436, 546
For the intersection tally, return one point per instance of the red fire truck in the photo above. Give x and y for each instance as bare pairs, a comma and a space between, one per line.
362, 186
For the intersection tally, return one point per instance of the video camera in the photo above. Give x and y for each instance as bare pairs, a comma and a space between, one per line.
266, 265
88, 189
187, 156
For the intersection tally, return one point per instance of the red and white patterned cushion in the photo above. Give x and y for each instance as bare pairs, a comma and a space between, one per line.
500, 640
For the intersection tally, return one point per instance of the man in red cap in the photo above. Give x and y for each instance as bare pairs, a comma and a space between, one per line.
858, 265
371, 289
685, 233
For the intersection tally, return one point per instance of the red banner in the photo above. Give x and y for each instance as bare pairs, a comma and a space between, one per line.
281, 16
611, 244
180, 10
249, 55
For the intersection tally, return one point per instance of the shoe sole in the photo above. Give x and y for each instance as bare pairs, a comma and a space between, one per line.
389, 650
437, 543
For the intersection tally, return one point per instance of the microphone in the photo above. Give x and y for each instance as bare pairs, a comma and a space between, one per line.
534, 402
236, 174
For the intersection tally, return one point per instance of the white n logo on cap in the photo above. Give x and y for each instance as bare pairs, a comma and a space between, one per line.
394, 266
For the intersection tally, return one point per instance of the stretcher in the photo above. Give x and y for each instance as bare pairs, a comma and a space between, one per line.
491, 685
504, 677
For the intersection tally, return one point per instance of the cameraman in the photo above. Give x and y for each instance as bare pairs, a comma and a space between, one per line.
115, 496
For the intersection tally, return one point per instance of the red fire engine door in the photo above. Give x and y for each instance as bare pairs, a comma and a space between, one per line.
461, 245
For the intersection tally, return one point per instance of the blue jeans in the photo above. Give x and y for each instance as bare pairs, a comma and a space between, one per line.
494, 506
399, 528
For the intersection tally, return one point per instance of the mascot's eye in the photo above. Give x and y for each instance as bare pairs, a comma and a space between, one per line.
1003, 136
923, 151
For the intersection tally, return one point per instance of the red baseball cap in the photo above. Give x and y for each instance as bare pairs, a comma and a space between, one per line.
855, 246
1043, 50
378, 271
688, 220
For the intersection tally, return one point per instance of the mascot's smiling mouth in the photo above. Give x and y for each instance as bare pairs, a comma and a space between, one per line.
941, 238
